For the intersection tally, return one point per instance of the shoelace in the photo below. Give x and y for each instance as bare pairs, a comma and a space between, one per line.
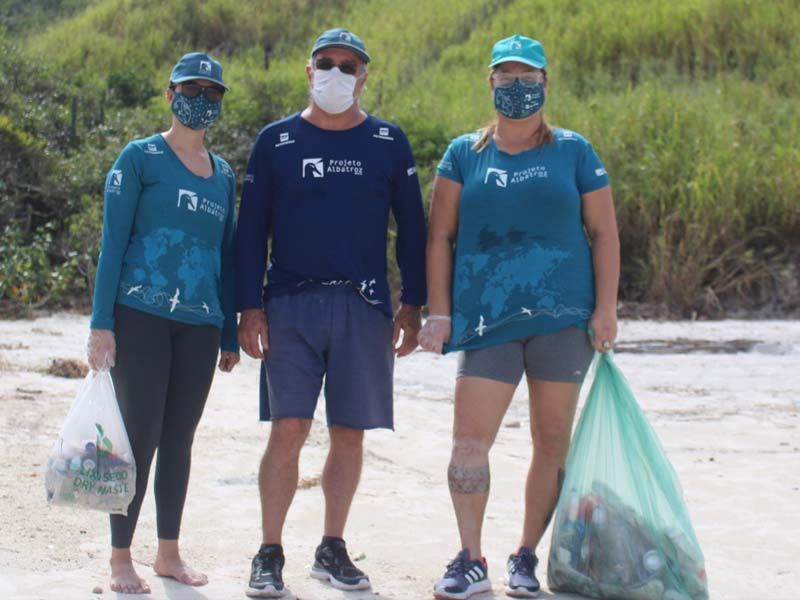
268, 562
523, 563
457, 566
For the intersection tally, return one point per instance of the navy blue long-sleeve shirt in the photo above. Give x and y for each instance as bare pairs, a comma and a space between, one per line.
324, 198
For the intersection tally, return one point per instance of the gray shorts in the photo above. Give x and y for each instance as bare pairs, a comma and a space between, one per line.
328, 336
562, 356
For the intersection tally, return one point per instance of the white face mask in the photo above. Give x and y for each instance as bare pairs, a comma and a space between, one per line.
333, 90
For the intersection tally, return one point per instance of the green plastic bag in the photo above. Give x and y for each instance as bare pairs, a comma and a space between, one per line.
622, 529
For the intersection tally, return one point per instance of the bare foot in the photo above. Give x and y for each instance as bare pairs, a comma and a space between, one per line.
174, 567
124, 578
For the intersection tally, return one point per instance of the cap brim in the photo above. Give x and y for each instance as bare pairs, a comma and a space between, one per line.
217, 81
525, 61
355, 49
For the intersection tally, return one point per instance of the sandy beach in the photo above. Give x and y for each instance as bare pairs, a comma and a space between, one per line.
730, 423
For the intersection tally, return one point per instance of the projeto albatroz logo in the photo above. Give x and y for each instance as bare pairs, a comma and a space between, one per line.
499, 176
189, 197
315, 166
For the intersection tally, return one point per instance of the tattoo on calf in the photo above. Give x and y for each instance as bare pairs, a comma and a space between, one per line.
468, 480
559, 485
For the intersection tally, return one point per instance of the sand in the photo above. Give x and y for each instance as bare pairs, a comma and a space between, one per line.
729, 422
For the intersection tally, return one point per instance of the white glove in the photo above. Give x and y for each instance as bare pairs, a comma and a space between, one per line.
101, 349
434, 333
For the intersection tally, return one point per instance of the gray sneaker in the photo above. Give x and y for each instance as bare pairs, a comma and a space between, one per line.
521, 580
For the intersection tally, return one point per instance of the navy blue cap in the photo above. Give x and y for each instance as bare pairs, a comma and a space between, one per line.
341, 38
197, 65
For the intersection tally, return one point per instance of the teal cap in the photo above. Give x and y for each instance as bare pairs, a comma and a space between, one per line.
519, 48
341, 38
197, 65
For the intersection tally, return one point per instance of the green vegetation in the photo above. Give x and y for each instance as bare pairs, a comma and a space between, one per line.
692, 105
27, 15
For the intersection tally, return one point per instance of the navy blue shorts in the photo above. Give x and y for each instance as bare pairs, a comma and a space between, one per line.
328, 334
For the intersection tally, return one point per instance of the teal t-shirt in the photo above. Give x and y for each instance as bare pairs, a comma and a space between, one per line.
522, 264
168, 240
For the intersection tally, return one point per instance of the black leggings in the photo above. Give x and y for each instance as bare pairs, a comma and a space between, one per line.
162, 377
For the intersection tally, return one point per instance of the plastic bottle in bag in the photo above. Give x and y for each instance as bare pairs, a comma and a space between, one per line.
91, 464
638, 542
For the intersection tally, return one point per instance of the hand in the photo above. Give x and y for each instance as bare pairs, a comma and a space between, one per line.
408, 320
252, 328
435, 333
228, 360
604, 325
101, 349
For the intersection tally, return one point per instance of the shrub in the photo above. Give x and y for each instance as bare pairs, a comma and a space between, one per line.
690, 104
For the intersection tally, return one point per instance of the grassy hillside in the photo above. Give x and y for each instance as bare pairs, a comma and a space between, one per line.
20, 16
692, 105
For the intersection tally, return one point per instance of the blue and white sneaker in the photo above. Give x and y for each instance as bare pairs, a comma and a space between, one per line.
521, 580
463, 578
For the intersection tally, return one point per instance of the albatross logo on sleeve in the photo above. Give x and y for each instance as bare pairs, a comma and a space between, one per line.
114, 185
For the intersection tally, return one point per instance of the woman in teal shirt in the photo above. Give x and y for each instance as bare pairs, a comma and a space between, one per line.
516, 285
163, 303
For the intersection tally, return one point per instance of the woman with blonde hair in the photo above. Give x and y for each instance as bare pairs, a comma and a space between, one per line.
523, 262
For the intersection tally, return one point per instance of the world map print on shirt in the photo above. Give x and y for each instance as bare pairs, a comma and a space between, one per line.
522, 264
514, 285
171, 251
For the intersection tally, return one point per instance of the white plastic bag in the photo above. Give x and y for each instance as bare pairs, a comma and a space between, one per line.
91, 464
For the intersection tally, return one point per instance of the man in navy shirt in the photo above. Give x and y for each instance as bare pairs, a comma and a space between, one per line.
321, 185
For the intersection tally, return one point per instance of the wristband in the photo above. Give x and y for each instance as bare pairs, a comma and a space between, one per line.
438, 318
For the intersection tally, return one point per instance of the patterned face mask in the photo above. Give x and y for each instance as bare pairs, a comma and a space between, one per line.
195, 113
519, 100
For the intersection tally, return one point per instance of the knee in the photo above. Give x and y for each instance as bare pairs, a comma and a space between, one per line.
176, 440
289, 434
469, 449
550, 443
347, 439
